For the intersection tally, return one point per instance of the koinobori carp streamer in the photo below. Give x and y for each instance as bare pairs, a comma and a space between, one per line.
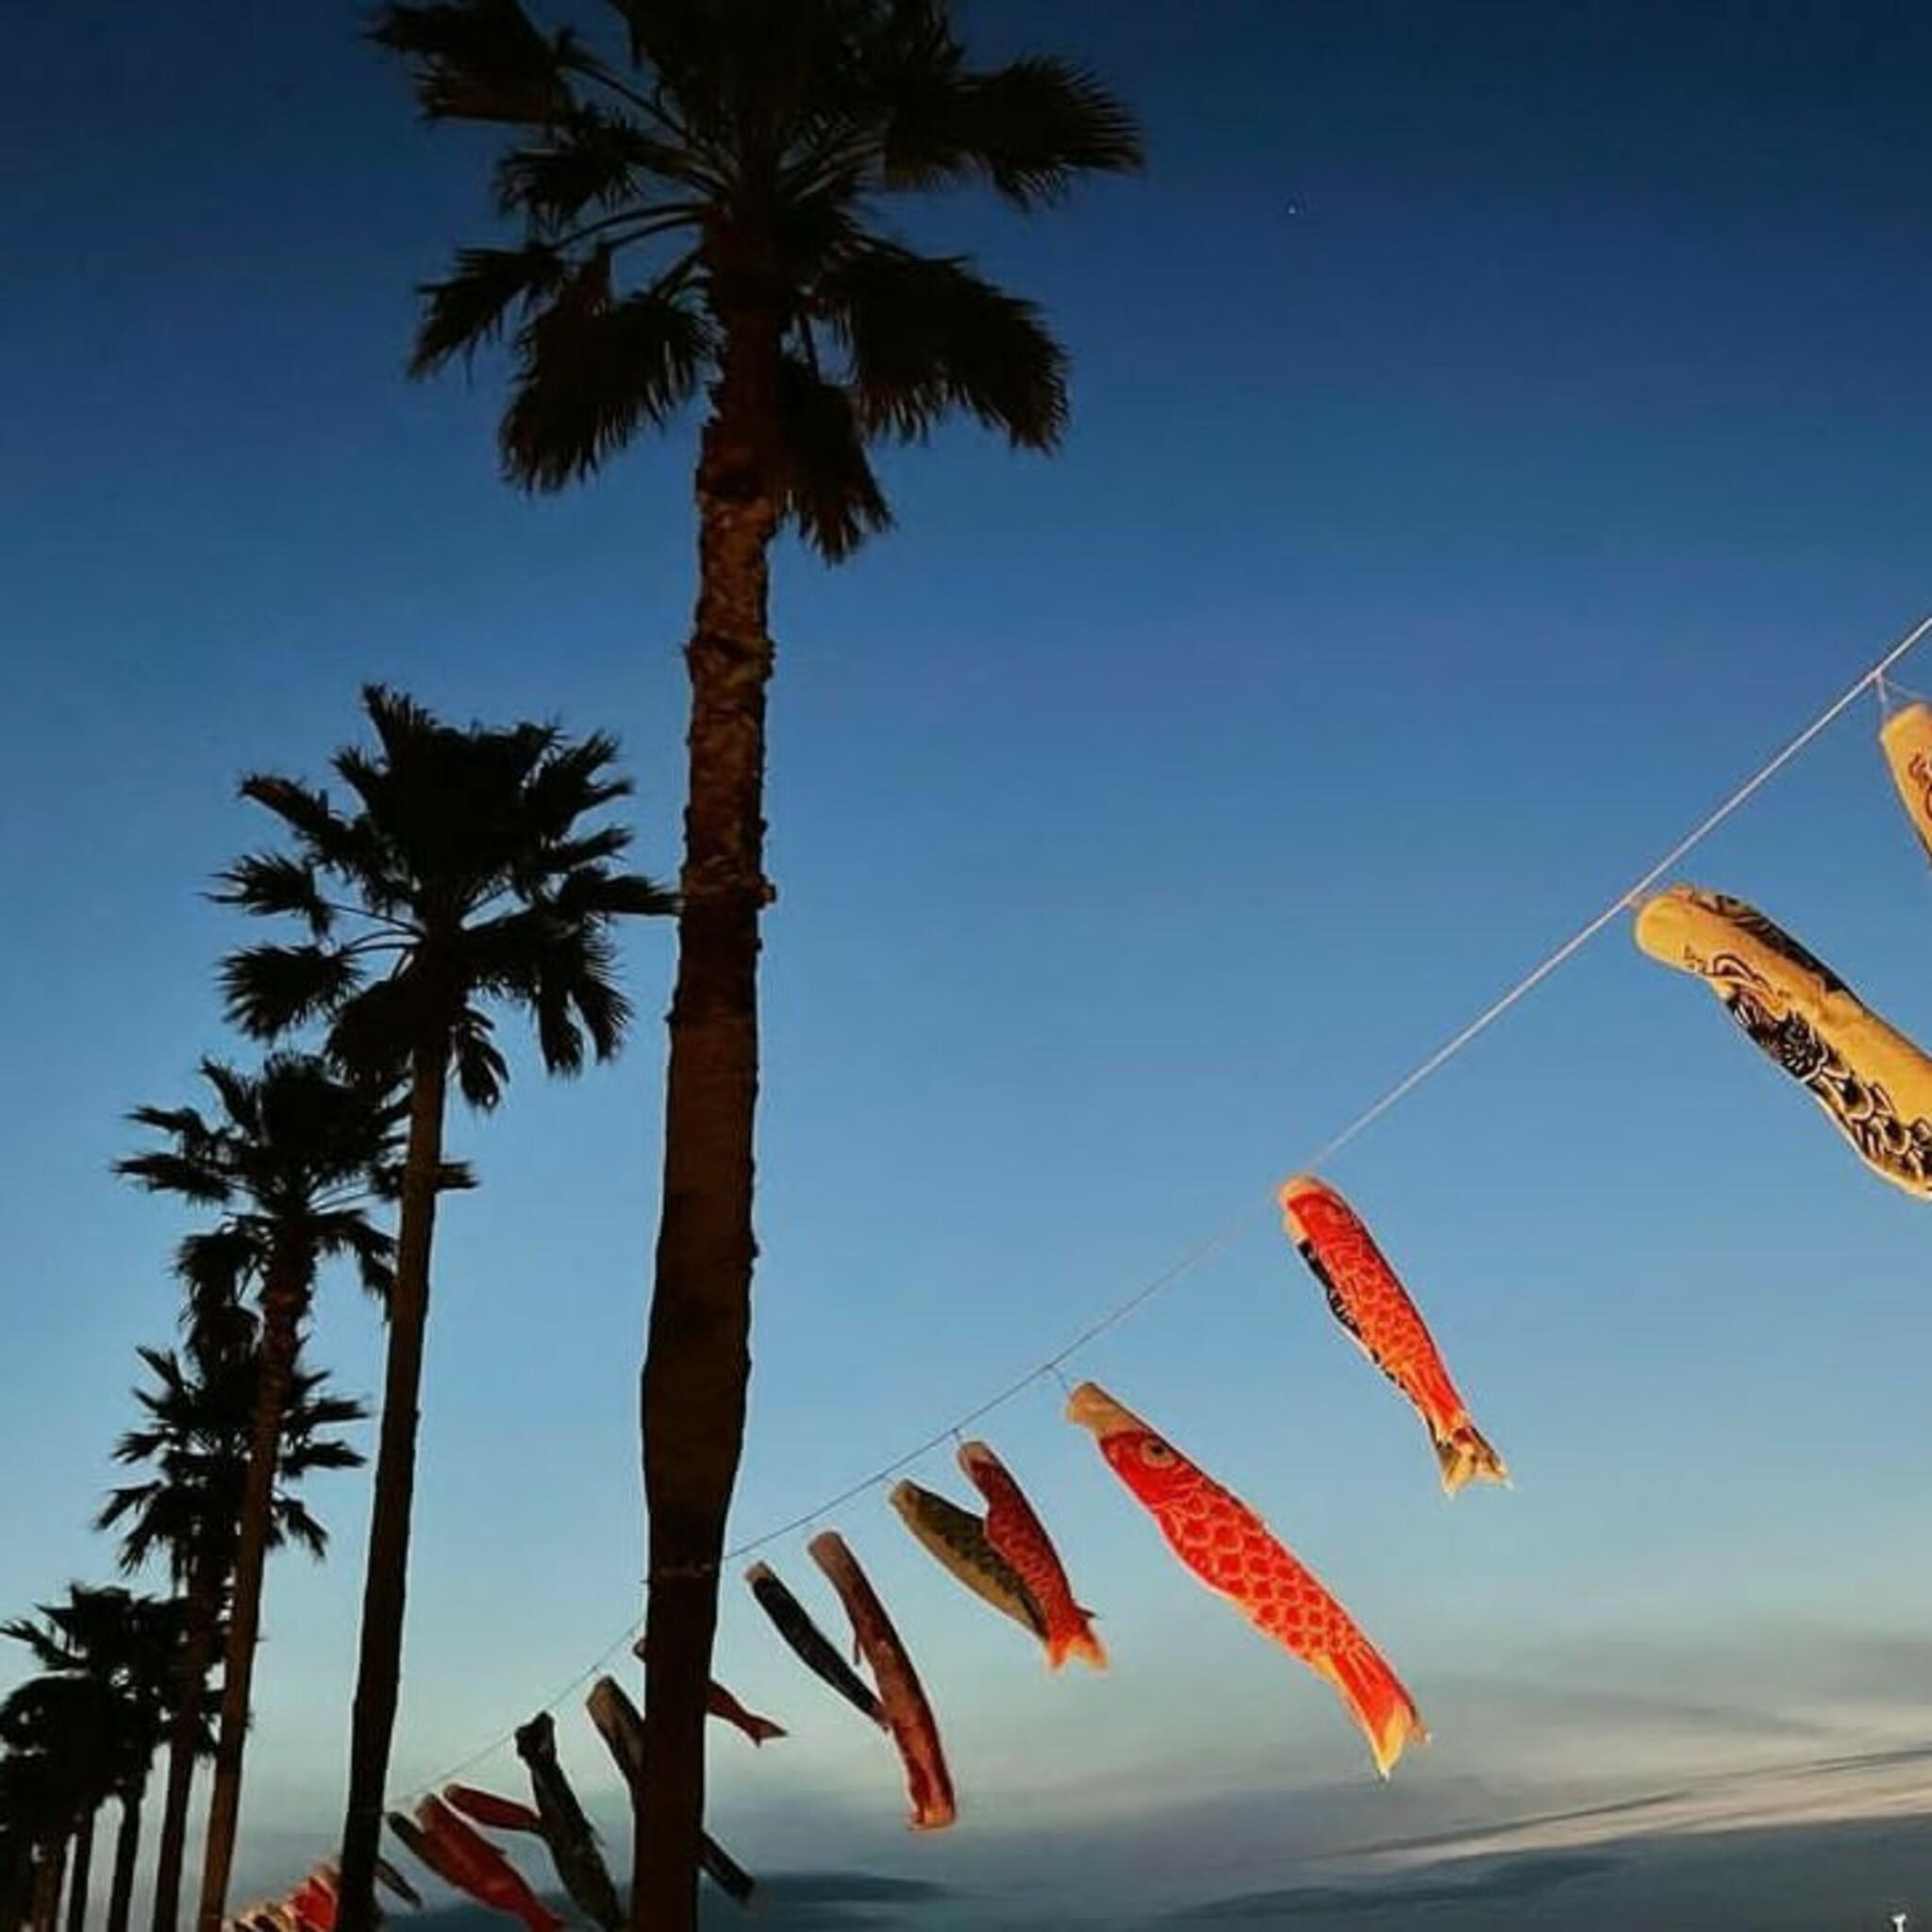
1229, 1548
1871, 1080
621, 1727
569, 1835
1019, 1536
720, 1703
914, 1729
957, 1541
462, 1858
809, 1644
1367, 1297
485, 1808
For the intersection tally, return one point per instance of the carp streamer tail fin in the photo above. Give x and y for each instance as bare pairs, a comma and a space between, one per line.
1466, 1457
1374, 1693
760, 1728
1081, 1644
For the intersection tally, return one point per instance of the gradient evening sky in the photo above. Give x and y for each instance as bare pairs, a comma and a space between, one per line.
1496, 427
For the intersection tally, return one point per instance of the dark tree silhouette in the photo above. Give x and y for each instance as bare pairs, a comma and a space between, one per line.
465, 877
701, 209
195, 1439
294, 1160
96, 1712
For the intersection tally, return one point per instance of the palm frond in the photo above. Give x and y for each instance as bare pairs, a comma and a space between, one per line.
291, 1523
308, 814
591, 159
269, 991
1030, 129
372, 1033
830, 491
925, 335
469, 306
479, 60
590, 891
482, 1072
372, 1249
593, 369
572, 780
272, 885
161, 1171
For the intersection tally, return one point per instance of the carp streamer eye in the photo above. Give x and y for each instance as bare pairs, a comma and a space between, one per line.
1155, 1453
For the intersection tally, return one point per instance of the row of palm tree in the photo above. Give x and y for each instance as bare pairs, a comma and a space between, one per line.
700, 200
124, 1676
464, 877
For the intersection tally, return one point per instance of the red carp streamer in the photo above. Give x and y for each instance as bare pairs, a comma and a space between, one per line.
1233, 1552
1019, 1537
485, 1808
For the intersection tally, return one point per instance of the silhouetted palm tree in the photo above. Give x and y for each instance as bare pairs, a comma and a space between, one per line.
293, 1159
22, 1810
107, 1658
46, 1779
200, 1416
465, 875
702, 210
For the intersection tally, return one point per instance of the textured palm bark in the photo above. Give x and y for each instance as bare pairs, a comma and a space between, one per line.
127, 1851
698, 1361
82, 1875
380, 1667
184, 1740
283, 1303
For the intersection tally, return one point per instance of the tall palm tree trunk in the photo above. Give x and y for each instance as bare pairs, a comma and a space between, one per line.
184, 1741
81, 1875
127, 1851
284, 1301
380, 1667
698, 1359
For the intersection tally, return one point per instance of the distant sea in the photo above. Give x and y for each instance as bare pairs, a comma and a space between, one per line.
1840, 1877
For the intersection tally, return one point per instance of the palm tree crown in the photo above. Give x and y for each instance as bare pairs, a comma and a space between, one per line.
293, 1159
467, 877
713, 188
195, 1439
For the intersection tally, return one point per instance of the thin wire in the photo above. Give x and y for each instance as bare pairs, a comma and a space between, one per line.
1018, 1387
1584, 934
496, 1745
1121, 1310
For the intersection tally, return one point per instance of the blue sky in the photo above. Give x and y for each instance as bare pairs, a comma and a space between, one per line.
1496, 427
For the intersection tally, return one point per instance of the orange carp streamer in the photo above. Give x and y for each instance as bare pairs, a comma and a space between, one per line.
1019, 1537
1232, 1550
1367, 1298
914, 1729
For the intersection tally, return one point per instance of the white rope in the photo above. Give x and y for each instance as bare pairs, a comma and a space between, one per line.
1121, 1310
1582, 936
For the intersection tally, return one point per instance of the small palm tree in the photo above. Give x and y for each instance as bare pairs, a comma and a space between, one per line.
293, 1159
106, 1656
51, 1730
463, 876
22, 1811
195, 1439
701, 209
